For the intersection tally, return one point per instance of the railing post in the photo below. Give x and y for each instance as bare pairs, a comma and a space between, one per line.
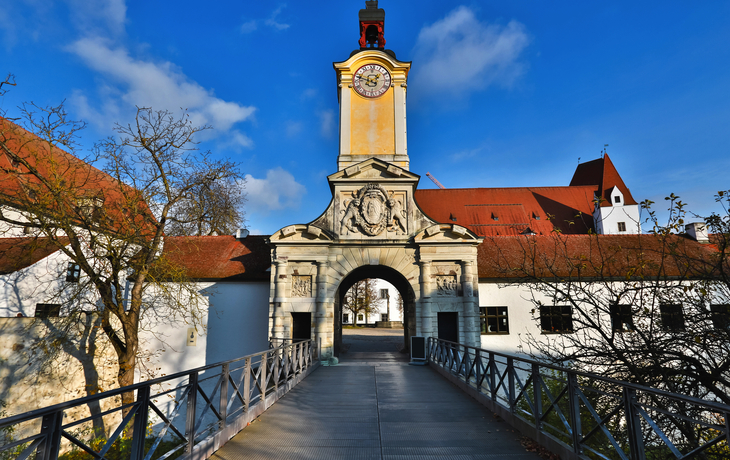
276, 371
247, 384
537, 395
190, 412
478, 369
493, 377
51, 431
262, 376
140, 423
633, 424
574, 405
223, 400
511, 383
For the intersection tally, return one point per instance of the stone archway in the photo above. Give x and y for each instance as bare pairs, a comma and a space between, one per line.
373, 226
388, 274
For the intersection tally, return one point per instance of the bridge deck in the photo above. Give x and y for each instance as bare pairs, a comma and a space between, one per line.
376, 409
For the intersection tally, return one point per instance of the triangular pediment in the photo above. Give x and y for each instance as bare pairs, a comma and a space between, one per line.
373, 169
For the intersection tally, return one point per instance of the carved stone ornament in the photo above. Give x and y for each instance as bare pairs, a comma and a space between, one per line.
301, 286
371, 210
446, 285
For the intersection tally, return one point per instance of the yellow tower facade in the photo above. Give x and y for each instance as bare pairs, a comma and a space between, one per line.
372, 93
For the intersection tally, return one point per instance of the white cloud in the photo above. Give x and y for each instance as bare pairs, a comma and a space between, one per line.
309, 93
459, 53
293, 128
248, 27
100, 16
326, 122
273, 23
160, 85
238, 141
279, 190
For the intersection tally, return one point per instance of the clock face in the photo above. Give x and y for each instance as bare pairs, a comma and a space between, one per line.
371, 80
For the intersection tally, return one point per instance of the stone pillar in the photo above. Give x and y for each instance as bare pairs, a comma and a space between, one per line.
280, 299
471, 315
322, 330
426, 320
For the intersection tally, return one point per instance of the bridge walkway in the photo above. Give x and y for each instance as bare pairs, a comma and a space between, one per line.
376, 406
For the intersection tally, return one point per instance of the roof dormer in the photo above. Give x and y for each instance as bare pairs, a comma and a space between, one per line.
615, 196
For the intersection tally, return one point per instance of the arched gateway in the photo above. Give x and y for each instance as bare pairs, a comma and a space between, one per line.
373, 228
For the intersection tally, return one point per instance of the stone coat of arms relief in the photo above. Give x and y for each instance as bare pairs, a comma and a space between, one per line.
372, 209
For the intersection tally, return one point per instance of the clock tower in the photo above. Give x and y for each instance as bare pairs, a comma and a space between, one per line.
372, 94
373, 227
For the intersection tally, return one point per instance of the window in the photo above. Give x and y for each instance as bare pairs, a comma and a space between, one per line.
621, 318
345, 318
73, 273
47, 310
672, 317
556, 318
493, 320
384, 294
360, 317
383, 317
617, 199
622, 226
720, 316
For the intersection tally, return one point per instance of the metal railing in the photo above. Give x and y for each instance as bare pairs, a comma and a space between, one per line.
187, 415
581, 415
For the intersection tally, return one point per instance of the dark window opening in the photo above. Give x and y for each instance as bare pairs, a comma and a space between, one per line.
301, 326
720, 316
47, 310
494, 320
621, 318
345, 318
617, 199
384, 294
672, 317
556, 318
622, 226
73, 273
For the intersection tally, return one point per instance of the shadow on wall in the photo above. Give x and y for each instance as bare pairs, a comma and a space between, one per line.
238, 320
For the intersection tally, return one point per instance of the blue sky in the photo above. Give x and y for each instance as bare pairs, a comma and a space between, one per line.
501, 94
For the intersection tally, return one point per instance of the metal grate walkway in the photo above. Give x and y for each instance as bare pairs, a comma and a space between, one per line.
376, 410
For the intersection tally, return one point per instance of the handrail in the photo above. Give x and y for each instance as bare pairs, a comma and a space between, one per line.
201, 414
583, 415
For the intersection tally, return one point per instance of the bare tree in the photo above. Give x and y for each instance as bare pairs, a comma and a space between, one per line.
648, 308
652, 309
362, 298
209, 209
110, 224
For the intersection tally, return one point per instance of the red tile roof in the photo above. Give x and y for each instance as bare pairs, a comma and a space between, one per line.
603, 174
593, 256
19, 253
79, 183
510, 211
220, 257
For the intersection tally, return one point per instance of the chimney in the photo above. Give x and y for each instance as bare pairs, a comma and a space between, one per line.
241, 233
697, 231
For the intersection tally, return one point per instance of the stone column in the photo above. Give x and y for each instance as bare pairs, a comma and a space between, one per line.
471, 315
280, 299
322, 328
426, 320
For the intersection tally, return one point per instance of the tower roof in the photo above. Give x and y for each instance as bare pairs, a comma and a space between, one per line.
602, 173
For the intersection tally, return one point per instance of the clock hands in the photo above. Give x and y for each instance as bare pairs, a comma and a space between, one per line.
371, 80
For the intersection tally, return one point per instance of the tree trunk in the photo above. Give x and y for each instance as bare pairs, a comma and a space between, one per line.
125, 377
